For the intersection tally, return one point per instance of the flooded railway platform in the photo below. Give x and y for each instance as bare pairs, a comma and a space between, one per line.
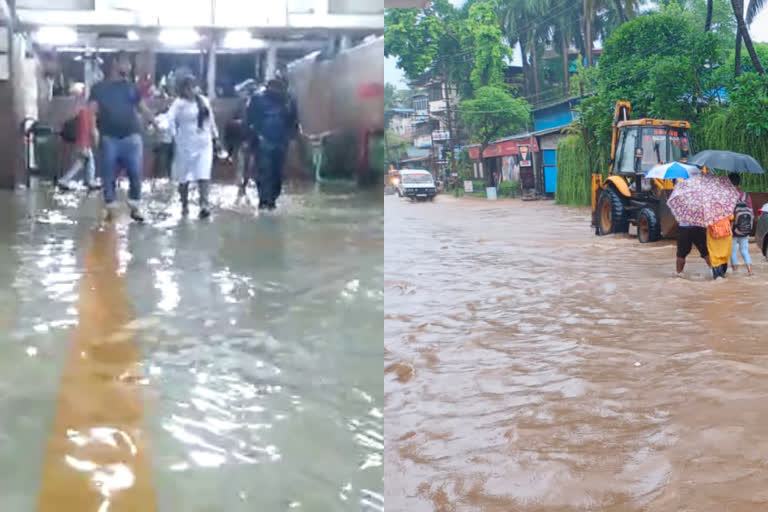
184, 365
532, 366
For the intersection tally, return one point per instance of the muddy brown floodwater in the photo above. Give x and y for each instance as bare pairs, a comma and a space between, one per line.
532, 366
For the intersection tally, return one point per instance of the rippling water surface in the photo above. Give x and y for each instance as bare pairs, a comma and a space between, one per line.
259, 340
531, 366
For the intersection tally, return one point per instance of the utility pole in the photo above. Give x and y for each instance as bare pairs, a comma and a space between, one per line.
449, 113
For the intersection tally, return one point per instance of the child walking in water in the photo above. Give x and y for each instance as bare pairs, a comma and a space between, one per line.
743, 221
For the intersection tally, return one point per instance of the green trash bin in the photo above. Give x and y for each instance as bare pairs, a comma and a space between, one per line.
45, 148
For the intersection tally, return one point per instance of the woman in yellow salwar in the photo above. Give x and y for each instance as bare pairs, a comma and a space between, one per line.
719, 245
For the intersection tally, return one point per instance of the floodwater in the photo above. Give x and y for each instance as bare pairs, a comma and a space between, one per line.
183, 365
532, 366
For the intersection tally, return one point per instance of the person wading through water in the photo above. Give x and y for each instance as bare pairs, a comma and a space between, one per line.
116, 103
272, 123
195, 137
79, 132
744, 219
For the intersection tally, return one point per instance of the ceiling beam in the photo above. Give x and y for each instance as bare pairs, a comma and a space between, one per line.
354, 23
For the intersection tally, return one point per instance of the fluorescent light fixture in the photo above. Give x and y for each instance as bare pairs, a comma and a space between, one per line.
56, 35
132, 35
179, 37
238, 39
242, 39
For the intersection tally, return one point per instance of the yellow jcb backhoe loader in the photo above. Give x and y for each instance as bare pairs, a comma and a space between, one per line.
626, 197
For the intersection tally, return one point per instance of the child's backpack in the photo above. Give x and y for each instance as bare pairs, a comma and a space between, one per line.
69, 130
743, 217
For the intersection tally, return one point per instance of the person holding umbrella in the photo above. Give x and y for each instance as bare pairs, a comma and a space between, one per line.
688, 235
711, 201
707, 202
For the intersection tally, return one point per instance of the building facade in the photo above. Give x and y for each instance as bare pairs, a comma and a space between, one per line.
509, 158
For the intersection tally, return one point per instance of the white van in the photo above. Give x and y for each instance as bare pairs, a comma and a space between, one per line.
416, 184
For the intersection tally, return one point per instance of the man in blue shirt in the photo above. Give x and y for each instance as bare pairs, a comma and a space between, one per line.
116, 103
272, 122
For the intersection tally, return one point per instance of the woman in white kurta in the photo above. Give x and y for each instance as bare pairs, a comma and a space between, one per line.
195, 135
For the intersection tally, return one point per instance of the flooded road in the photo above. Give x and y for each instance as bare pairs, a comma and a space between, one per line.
184, 365
532, 366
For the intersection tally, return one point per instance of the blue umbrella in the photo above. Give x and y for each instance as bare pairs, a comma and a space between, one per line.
672, 171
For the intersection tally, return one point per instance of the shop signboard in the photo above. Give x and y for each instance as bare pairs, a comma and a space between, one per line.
525, 155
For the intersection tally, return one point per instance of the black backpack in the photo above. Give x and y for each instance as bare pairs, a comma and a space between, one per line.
69, 130
743, 217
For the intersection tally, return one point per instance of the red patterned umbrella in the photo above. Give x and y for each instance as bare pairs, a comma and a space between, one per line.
703, 200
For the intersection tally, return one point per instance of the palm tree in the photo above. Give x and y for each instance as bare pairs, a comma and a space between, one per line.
565, 32
743, 33
611, 15
521, 23
620, 11
753, 8
562, 35
589, 11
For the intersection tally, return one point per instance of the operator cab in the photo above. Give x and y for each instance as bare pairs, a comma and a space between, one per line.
647, 142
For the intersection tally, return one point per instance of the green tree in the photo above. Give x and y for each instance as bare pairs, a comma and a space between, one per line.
483, 34
661, 64
428, 40
494, 113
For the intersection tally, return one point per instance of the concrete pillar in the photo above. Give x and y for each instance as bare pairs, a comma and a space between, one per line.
345, 43
10, 147
212, 71
271, 63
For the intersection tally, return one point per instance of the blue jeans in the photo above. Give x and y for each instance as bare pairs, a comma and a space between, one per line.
269, 180
740, 244
128, 153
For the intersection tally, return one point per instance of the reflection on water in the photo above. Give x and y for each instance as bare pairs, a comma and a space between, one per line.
259, 338
532, 366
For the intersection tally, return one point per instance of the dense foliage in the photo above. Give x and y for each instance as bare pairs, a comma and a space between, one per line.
494, 113
678, 60
572, 185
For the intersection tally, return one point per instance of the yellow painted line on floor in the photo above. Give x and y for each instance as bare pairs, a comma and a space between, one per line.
97, 458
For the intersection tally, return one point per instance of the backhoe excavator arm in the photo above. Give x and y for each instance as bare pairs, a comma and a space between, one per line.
621, 113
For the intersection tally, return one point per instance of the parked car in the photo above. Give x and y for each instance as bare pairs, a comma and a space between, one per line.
416, 185
761, 233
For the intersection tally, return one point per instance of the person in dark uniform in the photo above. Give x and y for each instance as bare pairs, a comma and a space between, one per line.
272, 123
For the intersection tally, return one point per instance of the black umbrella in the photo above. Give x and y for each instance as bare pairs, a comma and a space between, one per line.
727, 161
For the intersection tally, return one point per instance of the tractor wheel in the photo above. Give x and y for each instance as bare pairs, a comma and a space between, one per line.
612, 215
648, 226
